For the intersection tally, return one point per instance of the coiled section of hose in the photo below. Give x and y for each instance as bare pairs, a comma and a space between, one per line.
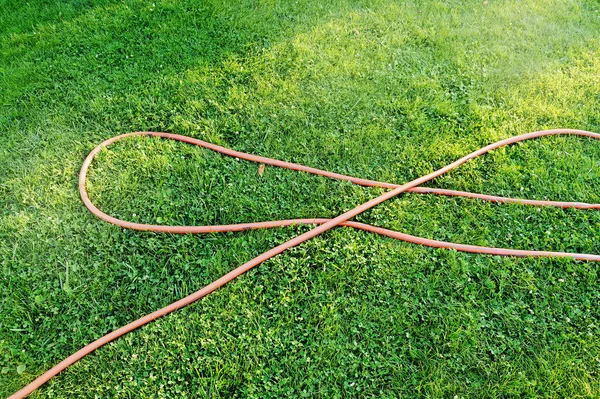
322, 224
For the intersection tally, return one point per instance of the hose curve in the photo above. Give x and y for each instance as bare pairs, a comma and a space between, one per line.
322, 224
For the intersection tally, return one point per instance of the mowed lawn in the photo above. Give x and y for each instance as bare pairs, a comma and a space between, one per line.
378, 89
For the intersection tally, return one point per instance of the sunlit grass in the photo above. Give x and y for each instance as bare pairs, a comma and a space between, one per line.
381, 90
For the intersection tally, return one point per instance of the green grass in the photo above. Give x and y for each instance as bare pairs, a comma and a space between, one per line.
376, 89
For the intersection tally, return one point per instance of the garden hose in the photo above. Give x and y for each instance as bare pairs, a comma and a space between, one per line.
322, 225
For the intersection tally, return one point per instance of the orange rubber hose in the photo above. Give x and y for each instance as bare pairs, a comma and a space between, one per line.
323, 225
